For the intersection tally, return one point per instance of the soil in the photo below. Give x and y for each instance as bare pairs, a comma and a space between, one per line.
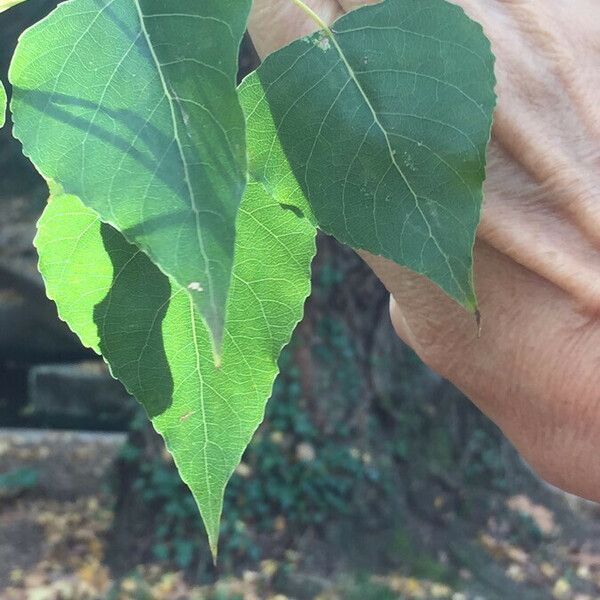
54, 538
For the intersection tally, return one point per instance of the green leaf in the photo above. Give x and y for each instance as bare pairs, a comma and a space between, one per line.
6, 4
132, 106
2, 105
384, 122
119, 303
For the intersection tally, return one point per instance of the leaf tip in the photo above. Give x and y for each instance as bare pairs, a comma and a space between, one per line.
217, 357
469, 299
214, 550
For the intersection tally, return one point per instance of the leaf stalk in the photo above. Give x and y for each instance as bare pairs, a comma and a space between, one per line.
314, 16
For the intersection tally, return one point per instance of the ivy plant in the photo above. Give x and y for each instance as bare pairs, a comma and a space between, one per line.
180, 229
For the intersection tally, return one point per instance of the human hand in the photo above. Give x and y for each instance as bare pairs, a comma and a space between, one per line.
535, 369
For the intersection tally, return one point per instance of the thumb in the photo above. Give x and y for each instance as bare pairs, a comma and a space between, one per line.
533, 370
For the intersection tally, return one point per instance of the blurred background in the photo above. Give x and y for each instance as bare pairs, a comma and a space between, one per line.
371, 478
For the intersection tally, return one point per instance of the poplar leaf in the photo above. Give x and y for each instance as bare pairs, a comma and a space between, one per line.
383, 123
146, 328
132, 106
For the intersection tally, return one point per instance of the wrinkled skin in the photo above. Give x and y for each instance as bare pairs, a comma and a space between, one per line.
535, 370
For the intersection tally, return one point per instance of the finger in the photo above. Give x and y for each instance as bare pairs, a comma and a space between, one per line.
274, 23
534, 370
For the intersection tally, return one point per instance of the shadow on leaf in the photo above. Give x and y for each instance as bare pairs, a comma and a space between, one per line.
130, 330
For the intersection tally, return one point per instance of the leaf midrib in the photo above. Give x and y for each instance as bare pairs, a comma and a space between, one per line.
331, 35
181, 154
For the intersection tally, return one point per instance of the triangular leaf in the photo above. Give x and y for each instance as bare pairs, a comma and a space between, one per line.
383, 122
119, 303
132, 106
